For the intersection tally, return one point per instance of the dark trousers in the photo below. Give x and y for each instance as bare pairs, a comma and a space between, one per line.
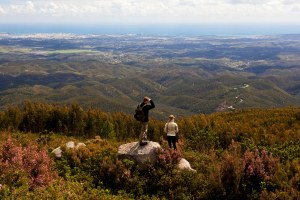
172, 140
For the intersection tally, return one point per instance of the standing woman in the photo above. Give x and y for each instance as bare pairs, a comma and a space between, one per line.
171, 128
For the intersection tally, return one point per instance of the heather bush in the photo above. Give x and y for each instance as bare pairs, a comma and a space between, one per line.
168, 156
294, 173
94, 166
102, 169
62, 189
286, 194
24, 167
231, 170
181, 185
165, 181
259, 168
287, 179
246, 175
168, 183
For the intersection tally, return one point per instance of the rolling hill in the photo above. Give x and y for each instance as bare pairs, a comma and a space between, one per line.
182, 75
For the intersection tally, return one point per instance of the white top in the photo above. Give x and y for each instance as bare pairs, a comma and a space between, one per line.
171, 128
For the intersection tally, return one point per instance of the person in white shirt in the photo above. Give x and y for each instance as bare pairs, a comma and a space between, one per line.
171, 128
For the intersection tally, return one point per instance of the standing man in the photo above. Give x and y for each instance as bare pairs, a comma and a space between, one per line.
144, 122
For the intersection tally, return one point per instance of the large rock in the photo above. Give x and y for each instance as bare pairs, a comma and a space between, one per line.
57, 152
184, 164
69, 145
141, 155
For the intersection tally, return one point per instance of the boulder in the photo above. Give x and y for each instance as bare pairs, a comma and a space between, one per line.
70, 144
58, 151
141, 155
184, 164
96, 140
80, 144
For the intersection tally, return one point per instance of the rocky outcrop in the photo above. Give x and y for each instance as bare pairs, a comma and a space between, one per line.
69, 145
147, 155
141, 155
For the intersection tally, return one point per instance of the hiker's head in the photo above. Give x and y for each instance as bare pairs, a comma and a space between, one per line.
171, 117
146, 99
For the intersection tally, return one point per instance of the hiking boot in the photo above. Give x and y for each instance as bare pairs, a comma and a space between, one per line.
143, 142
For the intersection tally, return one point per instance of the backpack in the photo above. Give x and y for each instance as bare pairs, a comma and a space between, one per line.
139, 113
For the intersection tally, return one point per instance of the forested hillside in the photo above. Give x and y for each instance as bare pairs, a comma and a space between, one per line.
190, 75
250, 154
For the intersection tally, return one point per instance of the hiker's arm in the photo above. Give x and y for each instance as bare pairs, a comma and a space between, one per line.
176, 128
152, 104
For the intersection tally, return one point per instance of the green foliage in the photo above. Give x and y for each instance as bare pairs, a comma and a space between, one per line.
202, 140
69, 120
289, 150
12, 118
260, 127
107, 130
248, 154
76, 119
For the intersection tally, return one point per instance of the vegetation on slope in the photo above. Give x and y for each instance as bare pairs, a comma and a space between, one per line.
250, 154
191, 75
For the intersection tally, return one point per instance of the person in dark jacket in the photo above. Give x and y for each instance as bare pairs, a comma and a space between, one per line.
144, 123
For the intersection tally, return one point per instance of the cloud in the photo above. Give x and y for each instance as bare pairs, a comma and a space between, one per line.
248, 1
154, 11
2, 11
296, 9
187, 3
289, 2
29, 6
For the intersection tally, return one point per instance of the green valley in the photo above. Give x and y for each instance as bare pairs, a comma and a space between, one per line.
188, 75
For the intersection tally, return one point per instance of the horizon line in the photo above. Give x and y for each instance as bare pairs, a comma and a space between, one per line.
152, 29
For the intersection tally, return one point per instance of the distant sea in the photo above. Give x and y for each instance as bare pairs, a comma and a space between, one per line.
184, 30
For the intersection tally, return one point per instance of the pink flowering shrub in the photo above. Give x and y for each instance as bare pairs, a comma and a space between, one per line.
244, 175
259, 167
25, 166
168, 156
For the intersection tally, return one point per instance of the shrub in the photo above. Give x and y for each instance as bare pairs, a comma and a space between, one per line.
202, 139
287, 151
259, 170
95, 167
25, 166
168, 156
62, 189
231, 170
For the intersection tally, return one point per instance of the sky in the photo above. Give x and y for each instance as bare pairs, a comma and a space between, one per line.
150, 11
179, 17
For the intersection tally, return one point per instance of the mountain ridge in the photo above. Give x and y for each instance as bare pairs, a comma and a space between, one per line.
183, 75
